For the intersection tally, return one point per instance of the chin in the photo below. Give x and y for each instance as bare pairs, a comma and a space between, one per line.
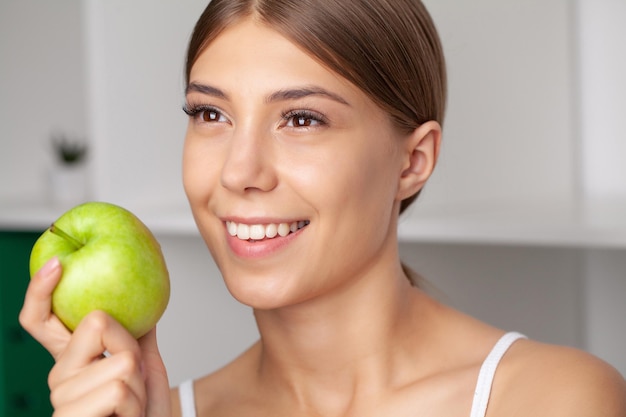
263, 291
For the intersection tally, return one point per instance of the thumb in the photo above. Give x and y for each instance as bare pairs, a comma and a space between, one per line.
155, 374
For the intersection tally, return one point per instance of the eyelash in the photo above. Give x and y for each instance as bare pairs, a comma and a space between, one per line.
194, 111
306, 115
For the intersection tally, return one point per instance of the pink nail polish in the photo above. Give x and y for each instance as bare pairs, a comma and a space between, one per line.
49, 267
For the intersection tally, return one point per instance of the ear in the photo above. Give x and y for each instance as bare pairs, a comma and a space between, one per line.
421, 151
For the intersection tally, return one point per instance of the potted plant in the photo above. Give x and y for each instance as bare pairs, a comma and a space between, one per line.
69, 152
68, 179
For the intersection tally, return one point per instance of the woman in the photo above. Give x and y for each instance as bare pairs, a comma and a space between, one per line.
313, 124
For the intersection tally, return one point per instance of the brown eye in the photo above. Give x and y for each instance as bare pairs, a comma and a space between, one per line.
304, 119
204, 114
210, 116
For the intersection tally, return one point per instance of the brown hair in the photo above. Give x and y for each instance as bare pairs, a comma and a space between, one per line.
389, 49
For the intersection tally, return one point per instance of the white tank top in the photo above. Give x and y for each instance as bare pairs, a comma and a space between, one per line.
481, 393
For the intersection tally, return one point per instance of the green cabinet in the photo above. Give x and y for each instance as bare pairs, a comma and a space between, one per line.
24, 364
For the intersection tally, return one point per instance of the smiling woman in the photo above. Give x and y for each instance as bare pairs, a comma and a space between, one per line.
292, 139
312, 126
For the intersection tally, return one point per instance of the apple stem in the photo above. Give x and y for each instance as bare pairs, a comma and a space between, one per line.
59, 232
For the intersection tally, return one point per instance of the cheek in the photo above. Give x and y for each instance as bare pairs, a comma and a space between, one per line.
362, 178
200, 172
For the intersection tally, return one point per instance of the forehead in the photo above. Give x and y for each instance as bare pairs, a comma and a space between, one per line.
251, 48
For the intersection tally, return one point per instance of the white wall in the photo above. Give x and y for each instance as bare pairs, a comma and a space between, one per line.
605, 293
602, 63
509, 127
135, 60
41, 90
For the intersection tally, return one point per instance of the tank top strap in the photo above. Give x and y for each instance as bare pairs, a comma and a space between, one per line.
481, 394
488, 371
187, 399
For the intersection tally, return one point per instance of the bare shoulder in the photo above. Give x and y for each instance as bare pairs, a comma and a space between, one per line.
224, 392
209, 392
540, 379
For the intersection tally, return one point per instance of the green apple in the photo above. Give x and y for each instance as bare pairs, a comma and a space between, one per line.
111, 262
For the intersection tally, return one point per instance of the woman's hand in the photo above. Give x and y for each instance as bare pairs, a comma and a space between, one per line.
100, 370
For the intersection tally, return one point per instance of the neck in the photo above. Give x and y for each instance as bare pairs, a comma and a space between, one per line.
343, 345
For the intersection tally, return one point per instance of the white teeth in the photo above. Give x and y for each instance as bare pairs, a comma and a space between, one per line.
262, 231
243, 231
271, 230
283, 229
232, 228
257, 231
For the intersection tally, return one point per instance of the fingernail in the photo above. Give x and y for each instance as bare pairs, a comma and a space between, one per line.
50, 266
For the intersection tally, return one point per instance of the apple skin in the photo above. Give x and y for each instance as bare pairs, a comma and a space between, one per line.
120, 268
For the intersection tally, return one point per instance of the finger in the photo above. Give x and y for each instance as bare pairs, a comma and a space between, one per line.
150, 350
157, 383
122, 366
36, 315
95, 334
114, 398
148, 342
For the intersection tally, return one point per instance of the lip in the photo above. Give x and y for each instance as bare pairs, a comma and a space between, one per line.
261, 248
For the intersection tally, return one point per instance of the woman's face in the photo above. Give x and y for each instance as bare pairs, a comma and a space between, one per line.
291, 172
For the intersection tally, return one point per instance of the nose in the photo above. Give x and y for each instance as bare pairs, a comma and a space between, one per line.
249, 163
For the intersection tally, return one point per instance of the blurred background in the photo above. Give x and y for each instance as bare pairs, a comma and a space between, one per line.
522, 225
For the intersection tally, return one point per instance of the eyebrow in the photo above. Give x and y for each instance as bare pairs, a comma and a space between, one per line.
296, 93
205, 89
280, 95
